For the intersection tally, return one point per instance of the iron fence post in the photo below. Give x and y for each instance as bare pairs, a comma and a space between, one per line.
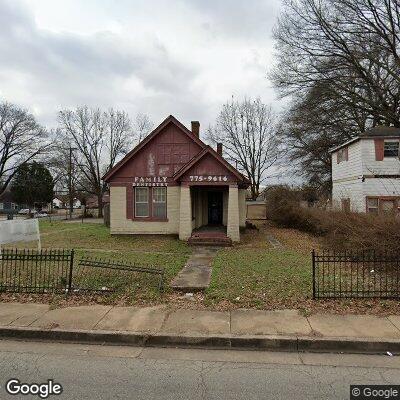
313, 273
71, 266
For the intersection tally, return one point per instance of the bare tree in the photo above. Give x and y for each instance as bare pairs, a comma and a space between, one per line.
98, 138
118, 134
247, 131
314, 123
22, 140
352, 45
339, 62
142, 127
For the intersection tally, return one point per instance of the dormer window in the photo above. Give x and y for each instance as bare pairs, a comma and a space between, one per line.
391, 149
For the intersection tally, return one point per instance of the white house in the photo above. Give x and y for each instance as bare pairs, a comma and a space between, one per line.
63, 202
366, 172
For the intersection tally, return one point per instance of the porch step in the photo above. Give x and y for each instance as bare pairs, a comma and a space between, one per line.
209, 239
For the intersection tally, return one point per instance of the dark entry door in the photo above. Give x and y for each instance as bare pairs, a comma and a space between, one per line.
215, 208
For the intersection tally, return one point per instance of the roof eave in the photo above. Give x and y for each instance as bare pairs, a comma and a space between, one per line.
355, 139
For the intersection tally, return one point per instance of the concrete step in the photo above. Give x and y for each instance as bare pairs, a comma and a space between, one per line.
210, 240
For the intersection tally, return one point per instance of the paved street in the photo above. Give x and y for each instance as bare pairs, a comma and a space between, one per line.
116, 372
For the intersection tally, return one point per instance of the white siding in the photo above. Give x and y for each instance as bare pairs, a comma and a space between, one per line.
389, 165
351, 189
352, 167
381, 187
346, 176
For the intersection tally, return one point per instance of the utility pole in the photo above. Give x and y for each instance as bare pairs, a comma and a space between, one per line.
70, 184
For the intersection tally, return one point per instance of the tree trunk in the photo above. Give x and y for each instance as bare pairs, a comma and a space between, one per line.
254, 194
100, 203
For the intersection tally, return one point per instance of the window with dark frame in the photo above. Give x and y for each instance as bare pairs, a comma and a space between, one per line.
342, 155
160, 202
391, 149
150, 202
373, 205
346, 205
378, 205
142, 202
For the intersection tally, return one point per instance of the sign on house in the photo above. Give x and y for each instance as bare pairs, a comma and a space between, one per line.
208, 178
150, 181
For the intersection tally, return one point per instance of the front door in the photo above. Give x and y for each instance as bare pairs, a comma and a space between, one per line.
215, 208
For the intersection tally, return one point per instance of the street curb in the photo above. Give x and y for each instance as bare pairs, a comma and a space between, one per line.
270, 342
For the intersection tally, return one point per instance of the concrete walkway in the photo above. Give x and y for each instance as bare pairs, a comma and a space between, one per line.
281, 329
196, 274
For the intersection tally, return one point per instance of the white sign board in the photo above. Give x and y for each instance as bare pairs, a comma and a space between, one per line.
25, 230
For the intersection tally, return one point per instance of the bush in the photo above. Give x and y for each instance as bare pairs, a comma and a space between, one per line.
354, 231
283, 208
338, 230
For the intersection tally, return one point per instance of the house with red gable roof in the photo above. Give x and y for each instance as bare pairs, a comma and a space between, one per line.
174, 183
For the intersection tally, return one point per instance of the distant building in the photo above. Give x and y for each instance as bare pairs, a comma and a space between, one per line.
8, 204
62, 201
366, 172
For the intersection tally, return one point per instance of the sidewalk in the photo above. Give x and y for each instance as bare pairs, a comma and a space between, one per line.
274, 330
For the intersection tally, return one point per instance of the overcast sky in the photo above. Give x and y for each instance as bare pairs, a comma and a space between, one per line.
160, 57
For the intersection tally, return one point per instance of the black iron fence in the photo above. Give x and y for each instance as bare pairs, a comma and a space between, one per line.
57, 271
107, 275
27, 271
356, 274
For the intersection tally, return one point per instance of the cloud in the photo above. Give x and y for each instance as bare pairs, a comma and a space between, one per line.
160, 57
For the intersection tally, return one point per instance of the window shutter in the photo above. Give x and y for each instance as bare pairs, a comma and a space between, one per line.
379, 149
129, 202
337, 157
347, 153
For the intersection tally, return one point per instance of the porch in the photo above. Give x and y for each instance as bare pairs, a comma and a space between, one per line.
211, 212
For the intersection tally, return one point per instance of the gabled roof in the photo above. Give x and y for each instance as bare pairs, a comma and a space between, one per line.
381, 132
148, 138
199, 156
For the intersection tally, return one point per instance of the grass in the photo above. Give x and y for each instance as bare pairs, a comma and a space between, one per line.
97, 236
255, 274
94, 241
132, 287
252, 274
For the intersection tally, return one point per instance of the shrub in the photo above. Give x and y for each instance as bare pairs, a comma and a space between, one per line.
338, 230
355, 231
283, 208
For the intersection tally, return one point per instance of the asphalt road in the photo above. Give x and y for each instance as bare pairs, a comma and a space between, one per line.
116, 372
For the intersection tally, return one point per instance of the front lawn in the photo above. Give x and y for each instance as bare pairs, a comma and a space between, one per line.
94, 240
251, 274
79, 235
258, 278
255, 274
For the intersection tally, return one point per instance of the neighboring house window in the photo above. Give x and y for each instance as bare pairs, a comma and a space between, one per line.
391, 149
373, 205
387, 206
1, 206
346, 205
14, 206
141, 202
382, 205
342, 155
160, 202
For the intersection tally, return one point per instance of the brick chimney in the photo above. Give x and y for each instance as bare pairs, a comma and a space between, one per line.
219, 148
196, 128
